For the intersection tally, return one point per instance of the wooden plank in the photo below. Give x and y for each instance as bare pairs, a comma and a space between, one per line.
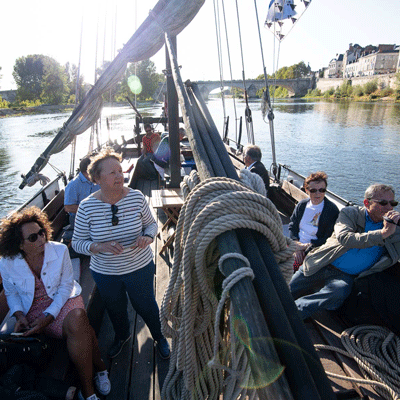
59, 222
54, 206
120, 366
330, 363
163, 265
330, 329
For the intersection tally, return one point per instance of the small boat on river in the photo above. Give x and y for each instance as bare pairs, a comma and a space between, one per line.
222, 257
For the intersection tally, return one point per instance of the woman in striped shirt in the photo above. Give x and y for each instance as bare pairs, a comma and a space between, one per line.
116, 227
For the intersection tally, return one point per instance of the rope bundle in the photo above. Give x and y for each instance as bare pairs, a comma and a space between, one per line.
377, 352
188, 311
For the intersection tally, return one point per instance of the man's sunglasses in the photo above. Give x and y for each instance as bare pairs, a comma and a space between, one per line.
114, 218
384, 203
321, 190
34, 236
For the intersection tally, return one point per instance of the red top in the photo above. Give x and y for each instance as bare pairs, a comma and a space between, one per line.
147, 142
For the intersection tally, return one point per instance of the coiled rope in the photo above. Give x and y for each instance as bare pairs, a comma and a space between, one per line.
377, 352
189, 309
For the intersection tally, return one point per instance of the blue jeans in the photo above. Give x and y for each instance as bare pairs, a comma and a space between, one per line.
139, 285
336, 287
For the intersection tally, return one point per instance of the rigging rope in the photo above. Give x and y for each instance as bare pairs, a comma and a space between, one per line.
377, 352
267, 101
189, 307
249, 120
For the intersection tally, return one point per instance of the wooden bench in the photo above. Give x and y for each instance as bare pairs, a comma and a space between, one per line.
170, 201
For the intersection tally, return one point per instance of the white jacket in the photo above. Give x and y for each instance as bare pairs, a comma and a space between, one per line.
57, 277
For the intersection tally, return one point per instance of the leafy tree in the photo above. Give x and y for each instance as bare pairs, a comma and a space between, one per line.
54, 83
71, 71
28, 73
370, 87
39, 77
145, 70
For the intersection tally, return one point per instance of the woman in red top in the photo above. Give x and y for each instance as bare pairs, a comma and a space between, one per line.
150, 140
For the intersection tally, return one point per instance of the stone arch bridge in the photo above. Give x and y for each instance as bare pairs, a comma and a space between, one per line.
296, 87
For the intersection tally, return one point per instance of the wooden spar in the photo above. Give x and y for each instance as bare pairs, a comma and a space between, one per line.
208, 144
289, 348
285, 297
245, 303
214, 135
173, 124
203, 164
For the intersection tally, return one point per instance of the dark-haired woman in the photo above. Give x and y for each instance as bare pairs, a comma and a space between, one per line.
116, 227
313, 219
43, 296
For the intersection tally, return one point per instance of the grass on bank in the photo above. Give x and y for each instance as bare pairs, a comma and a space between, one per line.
370, 91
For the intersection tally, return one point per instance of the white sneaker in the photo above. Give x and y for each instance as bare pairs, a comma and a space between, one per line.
92, 397
102, 383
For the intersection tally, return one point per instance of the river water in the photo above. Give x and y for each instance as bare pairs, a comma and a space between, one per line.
356, 144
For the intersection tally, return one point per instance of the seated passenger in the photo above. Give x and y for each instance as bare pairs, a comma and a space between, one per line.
162, 155
252, 160
363, 243
78, 189
313, 219
43, 296
144, 166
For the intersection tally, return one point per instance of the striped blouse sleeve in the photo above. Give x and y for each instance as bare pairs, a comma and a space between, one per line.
148, 221
81, 239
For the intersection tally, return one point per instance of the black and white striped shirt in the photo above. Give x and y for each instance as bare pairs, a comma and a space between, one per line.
93, 224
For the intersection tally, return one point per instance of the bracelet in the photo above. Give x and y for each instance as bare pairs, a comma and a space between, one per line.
151, 237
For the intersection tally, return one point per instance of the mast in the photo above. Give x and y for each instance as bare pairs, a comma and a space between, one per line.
173, 123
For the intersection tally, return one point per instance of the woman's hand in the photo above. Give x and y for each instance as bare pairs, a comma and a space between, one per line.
142, 242
39, 324
22, 323
107, 247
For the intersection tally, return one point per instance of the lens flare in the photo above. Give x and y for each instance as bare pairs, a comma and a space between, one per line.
134, 84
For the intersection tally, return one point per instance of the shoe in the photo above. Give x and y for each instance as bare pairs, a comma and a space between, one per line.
92, 397
163, 349
102, 383
117, 346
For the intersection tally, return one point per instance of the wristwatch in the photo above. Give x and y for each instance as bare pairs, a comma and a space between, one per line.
46, 314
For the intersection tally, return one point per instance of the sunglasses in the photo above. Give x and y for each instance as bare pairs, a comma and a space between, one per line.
321, 190
34, 236
393, 203
114, 218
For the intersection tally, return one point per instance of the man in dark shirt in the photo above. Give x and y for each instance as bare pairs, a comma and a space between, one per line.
252, 160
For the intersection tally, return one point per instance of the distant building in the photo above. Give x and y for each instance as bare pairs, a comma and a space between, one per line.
369, 60
335, 68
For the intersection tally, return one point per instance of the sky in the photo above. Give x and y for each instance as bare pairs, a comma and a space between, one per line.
325, 29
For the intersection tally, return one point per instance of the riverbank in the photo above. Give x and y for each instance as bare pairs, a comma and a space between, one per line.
43, 109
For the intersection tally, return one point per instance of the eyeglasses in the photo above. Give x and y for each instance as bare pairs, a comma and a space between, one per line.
114, 218
34, 236
321, 190
384, 203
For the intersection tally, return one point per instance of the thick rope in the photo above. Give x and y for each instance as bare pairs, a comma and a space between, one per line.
189, 308
377, 353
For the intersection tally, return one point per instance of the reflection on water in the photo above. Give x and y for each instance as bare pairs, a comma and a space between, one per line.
355, 143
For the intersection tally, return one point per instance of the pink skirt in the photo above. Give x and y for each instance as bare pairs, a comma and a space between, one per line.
42, 301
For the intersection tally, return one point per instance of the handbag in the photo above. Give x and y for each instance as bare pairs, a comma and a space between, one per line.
31, 350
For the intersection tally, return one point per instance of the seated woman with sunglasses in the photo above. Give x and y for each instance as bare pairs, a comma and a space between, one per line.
313, 219
43, 296
116, 227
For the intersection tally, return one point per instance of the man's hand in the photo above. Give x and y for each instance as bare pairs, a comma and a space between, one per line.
388, 227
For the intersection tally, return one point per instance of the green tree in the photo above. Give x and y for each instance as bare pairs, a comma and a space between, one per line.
145, 70
28, 74
71, 71
39, 77
54, 83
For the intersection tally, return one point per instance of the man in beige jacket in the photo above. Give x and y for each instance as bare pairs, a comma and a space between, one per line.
363, 243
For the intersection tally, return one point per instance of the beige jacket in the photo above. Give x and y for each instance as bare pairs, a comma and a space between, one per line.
349, 233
